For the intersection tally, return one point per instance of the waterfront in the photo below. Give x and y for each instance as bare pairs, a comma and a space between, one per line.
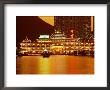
55, 64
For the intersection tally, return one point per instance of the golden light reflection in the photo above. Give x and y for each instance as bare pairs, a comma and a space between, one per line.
43, 66
58, 64
48, 19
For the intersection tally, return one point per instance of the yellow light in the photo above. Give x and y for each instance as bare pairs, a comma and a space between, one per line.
58, 32
29, 48
33, 51
48, 19
44, 66
71, 50
92, 23
76, 47
87, 47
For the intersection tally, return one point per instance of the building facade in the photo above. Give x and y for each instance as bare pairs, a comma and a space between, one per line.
57, 43
76, 24
72, 33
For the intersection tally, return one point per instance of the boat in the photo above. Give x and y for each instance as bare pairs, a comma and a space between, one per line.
75, 53
45, 53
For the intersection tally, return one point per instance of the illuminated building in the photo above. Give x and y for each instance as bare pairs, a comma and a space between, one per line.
57, 43
80, 25
72, 33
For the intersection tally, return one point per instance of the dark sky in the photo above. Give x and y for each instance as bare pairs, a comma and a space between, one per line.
32, 27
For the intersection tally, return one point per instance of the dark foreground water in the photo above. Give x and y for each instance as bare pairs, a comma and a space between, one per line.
56, 64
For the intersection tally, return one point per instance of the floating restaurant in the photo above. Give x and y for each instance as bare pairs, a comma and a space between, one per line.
56, 43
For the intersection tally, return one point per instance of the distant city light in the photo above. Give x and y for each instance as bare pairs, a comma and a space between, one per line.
65, 39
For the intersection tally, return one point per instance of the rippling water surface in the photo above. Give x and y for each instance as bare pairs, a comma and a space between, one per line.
56, 64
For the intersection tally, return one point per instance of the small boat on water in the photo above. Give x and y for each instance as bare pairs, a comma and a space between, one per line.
45, 53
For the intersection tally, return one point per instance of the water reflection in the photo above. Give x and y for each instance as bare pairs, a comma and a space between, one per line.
43, 66
57, 64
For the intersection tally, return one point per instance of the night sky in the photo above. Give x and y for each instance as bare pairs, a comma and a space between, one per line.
32, 27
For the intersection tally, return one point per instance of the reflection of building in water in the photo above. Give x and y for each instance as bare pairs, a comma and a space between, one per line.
57, 43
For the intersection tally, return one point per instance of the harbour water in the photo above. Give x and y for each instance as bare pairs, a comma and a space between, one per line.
55, 64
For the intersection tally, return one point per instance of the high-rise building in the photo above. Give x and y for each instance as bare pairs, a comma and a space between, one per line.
67, 37
77, 25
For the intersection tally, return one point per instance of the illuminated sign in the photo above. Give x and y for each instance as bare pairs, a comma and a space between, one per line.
44, 36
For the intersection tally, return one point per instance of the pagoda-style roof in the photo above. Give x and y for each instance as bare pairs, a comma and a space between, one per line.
26, 40
58, 35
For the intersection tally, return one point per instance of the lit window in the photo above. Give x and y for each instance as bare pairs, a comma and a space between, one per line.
71, 50
29, 48
23, 44
33, 51
76, 47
